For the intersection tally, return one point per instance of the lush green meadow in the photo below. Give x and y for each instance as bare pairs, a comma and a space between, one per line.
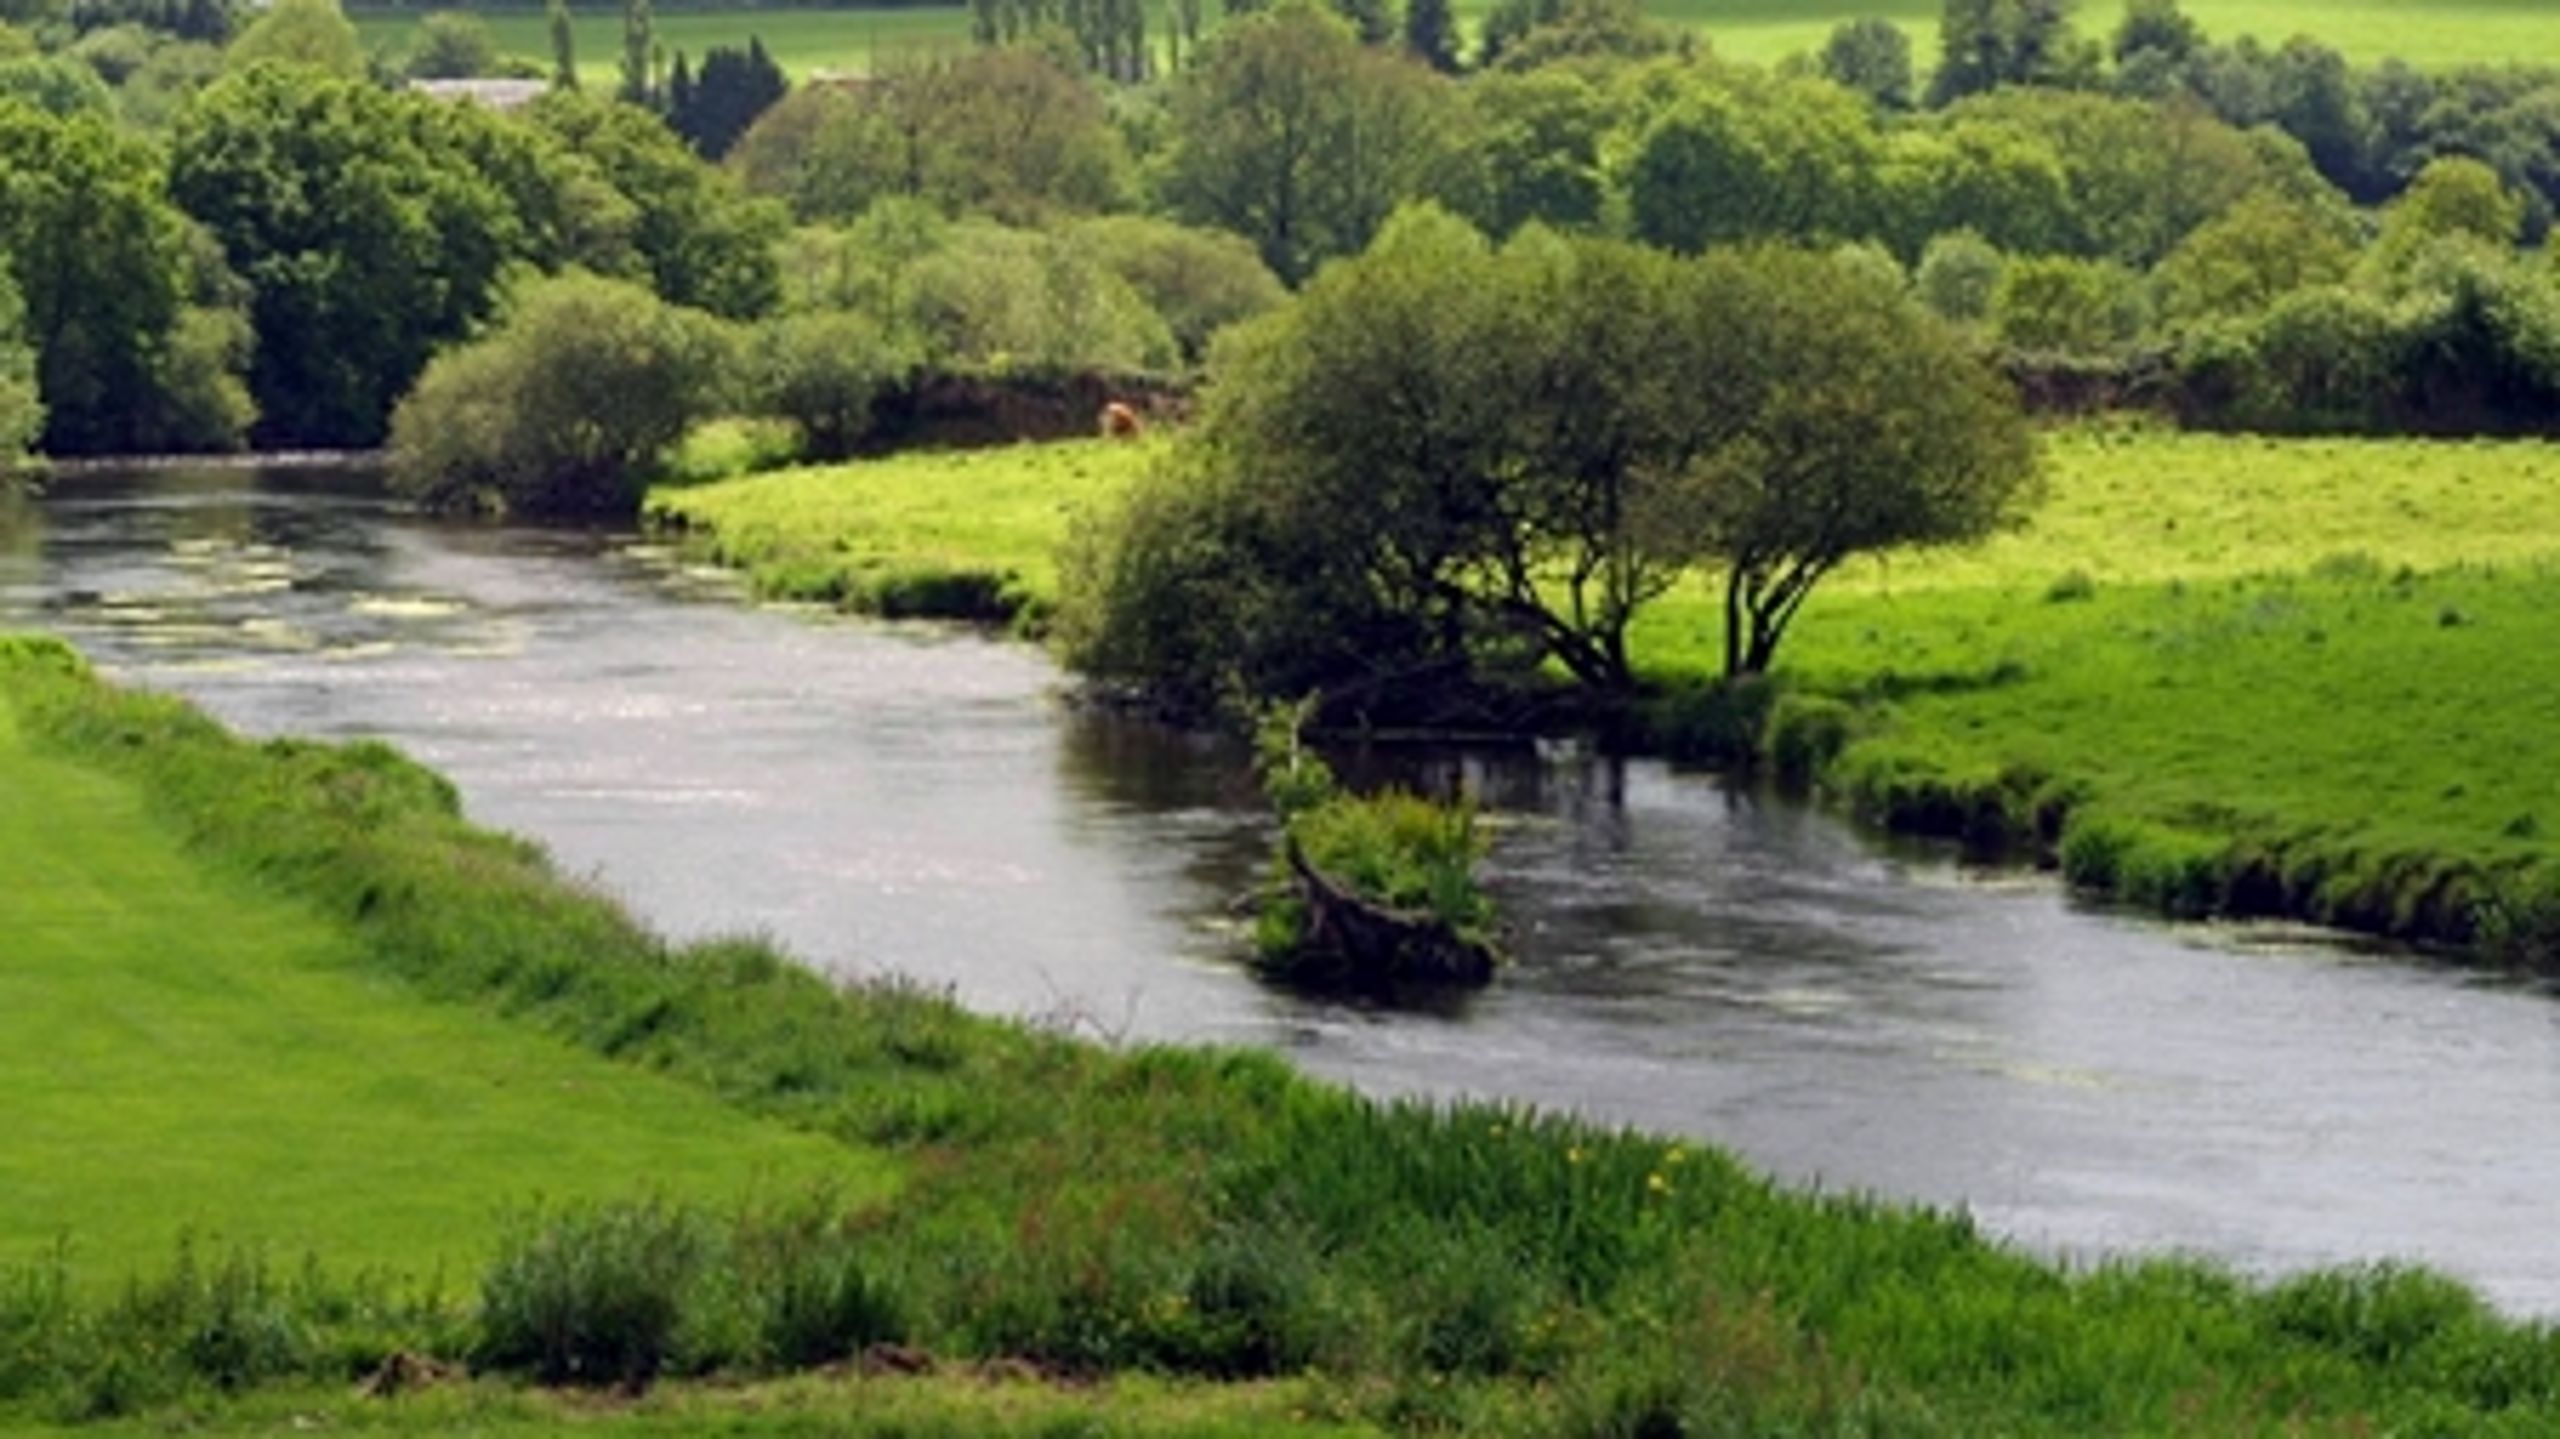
2333, 664
1085, 1240
883, 536
185, 1055
2431, 33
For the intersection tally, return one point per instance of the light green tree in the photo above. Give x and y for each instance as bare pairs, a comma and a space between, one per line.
315, 33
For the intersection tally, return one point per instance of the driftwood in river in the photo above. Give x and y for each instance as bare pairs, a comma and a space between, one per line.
1355, 941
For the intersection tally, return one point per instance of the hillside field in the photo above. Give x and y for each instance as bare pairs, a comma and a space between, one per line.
2430, 33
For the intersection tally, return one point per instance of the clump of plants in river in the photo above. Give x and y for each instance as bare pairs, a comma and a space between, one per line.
1368, 892
1093, 1212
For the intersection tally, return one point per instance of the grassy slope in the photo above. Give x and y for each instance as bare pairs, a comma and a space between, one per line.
2432, 33
181, 1053
2348, 642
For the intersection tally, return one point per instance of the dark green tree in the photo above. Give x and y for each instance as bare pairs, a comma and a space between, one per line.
1872, 57
1298, 137
564, 45
638, 48
1431, 34
365, 244
712, 108
702, 241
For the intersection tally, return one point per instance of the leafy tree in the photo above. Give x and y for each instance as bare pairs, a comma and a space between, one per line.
2454, 197
2156, 28
637, 47
564, 45
1537, 143
2259, 250
101, 259
1999, 181
1798, 159
825, 372
1010, 132
1959, 276
1295, 135
1856, 422
1575, 29
1872, 57
2062, 305
1985, 44
2312, 96
704, 243
1199, 281
21, 407
453, 45
365, 243
55, 85
1431, 34
315, 33
569, 407
716, 106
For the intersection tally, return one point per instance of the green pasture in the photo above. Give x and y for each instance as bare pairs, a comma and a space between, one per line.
2430, 33
185, 1055
845, 533
2354, 640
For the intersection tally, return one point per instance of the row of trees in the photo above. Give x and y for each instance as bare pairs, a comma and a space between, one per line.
1447, 455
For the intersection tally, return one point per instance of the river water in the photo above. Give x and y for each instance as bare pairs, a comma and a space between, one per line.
1691, 958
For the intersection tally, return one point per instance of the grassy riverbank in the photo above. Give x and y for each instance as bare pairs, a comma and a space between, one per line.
1225, 1247
2429, 33
2212, 673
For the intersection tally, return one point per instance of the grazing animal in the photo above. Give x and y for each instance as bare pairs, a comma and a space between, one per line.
1120, 422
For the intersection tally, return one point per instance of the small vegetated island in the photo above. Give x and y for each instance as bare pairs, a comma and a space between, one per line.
2122, 444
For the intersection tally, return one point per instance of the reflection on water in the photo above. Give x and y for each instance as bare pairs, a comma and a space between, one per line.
1691, 958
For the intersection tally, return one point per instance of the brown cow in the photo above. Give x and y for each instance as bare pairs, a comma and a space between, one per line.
1120, 421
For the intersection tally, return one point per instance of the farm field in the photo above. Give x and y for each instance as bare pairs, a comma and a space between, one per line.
186, 1056
2430, 33
2340, 649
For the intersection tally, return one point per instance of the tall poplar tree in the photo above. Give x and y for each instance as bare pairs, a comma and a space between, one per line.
564, 47
636, 48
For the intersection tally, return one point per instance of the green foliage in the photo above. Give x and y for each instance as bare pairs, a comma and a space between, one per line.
1873, 57
977, 296
569, 407
824, 372
56, 85
713, 108
2453, 197
1538, 137
368, 236
1009, 132
101, 259
2058, 305
701, 242
21, 406
1198, 281
313, 34
2249, 257
1959, 276
1792, 159
1292, 133
452, 45
592, 1296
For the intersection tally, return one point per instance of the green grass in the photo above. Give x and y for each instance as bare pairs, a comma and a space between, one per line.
2429, 33
892, 535
184, 1054
1228, 1247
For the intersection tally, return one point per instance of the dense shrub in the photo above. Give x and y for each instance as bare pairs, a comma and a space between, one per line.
824, 372
2056, 304
1959, 276
568, 408
1198, 281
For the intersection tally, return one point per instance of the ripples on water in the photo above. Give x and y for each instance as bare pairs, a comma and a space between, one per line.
1692, 958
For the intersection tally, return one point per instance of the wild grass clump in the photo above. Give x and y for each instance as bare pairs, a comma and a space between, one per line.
1409, 864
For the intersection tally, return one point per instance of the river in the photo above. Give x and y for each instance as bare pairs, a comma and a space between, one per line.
1691, 958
